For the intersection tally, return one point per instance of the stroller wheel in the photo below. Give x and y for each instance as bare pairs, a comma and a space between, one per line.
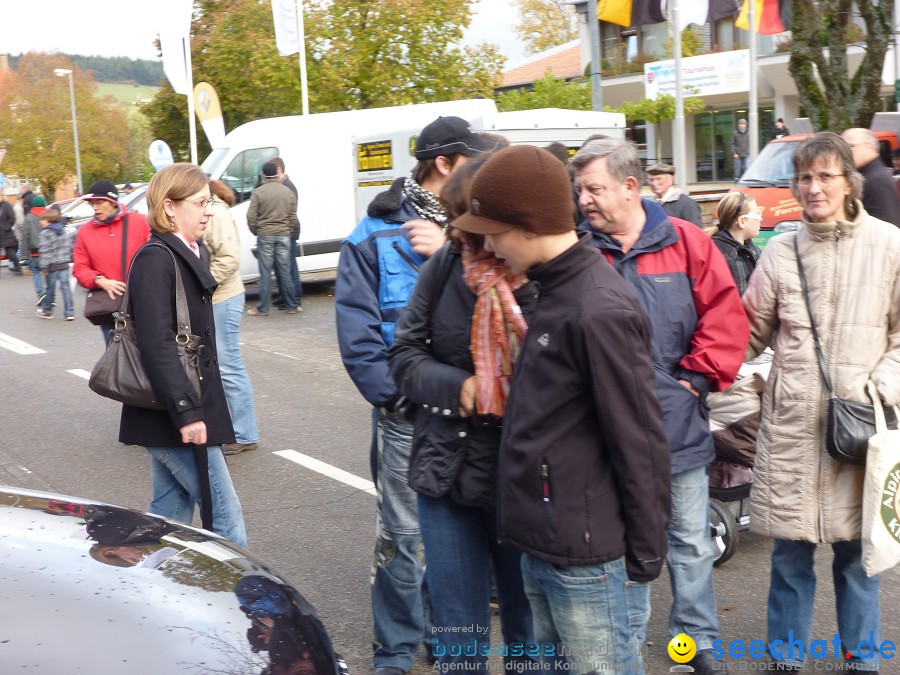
723, 530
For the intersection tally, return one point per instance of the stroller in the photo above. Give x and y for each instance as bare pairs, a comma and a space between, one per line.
734, 422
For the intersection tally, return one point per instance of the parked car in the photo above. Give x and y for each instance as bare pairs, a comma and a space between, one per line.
94, 588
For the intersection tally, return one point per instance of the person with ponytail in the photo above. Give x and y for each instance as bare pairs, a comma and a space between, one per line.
739, 221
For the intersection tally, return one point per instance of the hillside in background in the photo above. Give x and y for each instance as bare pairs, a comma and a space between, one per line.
116, 69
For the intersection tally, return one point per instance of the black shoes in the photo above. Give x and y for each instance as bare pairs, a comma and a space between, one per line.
705, 663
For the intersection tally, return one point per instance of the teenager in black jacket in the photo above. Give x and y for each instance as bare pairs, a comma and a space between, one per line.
453, 465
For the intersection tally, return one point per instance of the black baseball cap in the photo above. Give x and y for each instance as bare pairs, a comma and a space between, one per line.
450, 136
103, 189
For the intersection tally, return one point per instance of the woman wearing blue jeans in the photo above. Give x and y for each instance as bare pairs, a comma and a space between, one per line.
452, 355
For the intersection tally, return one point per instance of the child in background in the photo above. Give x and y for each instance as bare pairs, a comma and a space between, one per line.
56, 254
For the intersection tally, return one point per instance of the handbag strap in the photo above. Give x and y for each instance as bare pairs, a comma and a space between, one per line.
124, 246
181, 309
880, 422
812, 322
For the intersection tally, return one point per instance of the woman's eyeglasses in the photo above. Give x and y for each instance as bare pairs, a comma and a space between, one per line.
823, 178
203, 202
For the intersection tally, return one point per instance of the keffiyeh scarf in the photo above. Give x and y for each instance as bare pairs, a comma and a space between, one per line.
426, 203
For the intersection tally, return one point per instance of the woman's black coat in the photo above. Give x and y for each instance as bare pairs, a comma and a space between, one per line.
430, 359
741, 258
151, 284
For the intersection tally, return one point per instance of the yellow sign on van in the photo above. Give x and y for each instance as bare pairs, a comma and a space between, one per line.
374, 156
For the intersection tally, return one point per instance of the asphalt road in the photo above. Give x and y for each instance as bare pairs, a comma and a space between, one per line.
315, 528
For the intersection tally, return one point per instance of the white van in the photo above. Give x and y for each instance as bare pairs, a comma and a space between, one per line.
321, 156
318, 157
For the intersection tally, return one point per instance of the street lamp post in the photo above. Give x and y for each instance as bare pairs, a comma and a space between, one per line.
60, 72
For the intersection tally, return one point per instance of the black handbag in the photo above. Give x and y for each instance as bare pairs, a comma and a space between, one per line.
120, 374
850, 424
99, 308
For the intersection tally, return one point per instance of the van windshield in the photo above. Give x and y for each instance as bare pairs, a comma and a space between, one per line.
773, 166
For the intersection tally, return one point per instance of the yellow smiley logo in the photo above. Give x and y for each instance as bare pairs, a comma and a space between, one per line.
682, 648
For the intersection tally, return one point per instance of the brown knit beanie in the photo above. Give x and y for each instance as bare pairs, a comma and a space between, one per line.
522, 187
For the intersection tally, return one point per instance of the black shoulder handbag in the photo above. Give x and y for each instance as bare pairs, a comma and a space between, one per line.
120, 374
850, 424
99, 308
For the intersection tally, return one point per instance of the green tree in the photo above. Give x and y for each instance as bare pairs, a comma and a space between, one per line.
360, 54
691, 44
821, 30
545, 23
36, 125
548, 92
657, 110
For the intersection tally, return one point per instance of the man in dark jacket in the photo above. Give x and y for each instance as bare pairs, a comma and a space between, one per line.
377, 270
583, 480
740, 148
699, 335
661, 178
271, 217
880, 197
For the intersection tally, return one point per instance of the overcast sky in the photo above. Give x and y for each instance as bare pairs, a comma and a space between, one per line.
128, 27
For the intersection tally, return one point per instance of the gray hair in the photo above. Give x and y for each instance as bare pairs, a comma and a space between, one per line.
621, 157
828, 145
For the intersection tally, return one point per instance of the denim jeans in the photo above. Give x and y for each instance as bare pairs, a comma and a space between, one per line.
238, 390
593, 613
399, 606
460, 544
740, 167
35, 266
60, 277
793, 588
295, 277
690, 560
176, 488
274, 251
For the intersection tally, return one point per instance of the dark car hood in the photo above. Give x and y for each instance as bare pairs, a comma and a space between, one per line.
153, 597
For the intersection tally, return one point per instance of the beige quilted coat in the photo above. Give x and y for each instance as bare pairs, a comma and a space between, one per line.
853, 271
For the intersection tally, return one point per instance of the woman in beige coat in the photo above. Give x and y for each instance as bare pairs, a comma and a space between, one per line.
801, 496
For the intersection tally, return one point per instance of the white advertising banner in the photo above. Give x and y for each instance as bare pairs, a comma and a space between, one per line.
706, 75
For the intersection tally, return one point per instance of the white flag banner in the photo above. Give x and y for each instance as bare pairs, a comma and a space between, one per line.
174, 33
692, 11
284, 13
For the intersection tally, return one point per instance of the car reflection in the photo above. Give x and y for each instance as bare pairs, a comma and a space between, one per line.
90, 587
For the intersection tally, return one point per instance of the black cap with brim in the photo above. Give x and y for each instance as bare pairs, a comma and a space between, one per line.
450, 136
103, 189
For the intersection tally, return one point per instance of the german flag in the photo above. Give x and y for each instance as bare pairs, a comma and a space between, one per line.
772, 16
630, 12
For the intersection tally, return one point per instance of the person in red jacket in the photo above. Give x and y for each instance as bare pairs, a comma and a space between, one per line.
98, 246
699, 336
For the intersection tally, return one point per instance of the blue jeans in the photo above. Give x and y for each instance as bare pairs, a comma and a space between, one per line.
460, 544
793, 587
690, 560
274, 251
35, 266
60, 277
740, 167
399, 605
238, 390
176, 488
295, 277
593, 613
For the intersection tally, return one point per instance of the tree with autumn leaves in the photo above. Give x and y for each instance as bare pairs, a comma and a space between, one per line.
36, 125
360, 54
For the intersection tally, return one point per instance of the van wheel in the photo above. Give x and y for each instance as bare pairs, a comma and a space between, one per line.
724, 532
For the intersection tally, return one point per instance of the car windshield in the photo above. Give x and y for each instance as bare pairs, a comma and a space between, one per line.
772, 166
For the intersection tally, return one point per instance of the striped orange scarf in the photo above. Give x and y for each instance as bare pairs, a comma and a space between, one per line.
498, 327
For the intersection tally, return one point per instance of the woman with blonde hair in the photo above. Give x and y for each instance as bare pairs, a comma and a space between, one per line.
739, 220
188, 433
224, 245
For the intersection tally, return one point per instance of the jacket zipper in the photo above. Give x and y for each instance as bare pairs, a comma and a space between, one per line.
545, 482
404, 255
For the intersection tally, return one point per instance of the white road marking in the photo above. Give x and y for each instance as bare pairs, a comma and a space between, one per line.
328, 470
78, 372
17, 346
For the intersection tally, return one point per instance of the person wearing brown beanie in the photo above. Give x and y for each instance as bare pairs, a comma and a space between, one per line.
583, 474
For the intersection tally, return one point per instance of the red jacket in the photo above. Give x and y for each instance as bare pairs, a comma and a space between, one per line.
98, 248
